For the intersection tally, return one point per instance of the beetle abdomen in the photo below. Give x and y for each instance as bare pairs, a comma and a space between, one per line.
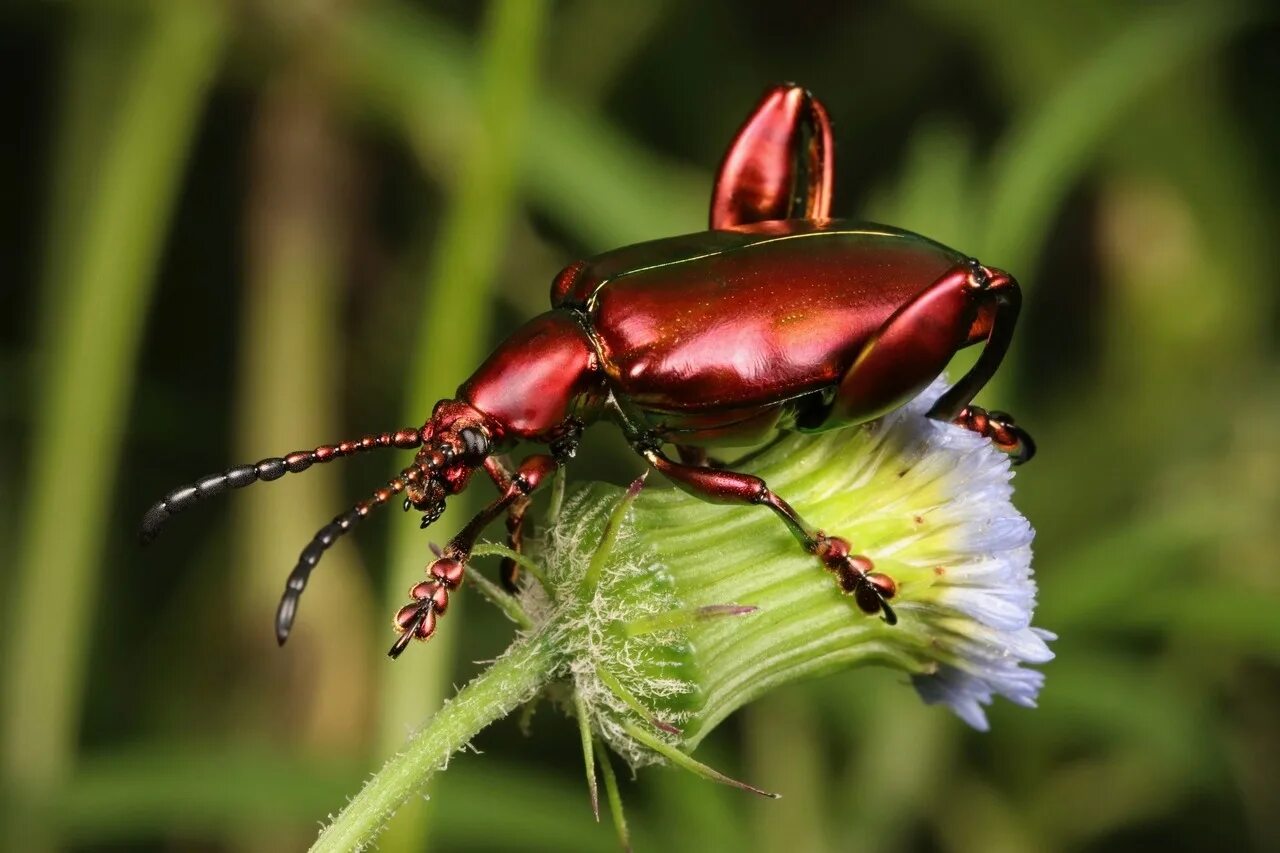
765, 313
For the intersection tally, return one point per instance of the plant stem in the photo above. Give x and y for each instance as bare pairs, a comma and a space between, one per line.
513, 678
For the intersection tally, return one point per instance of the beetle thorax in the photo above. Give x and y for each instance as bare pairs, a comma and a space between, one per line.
543, 375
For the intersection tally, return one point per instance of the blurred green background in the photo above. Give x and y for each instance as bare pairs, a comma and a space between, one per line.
237, 229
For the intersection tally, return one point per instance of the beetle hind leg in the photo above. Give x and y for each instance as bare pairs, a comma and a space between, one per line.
1003, 299
968, 305
855, 574
779, 165
1001, 429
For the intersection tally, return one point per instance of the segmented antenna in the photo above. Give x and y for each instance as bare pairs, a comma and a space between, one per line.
324, 539
268, 469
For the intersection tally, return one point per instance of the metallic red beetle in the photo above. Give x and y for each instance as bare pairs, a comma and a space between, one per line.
777, 318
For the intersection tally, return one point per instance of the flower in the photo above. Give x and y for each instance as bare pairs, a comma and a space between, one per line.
698, 609
980, 608
651, 615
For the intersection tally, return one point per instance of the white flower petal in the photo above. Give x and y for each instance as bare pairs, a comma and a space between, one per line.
977, 614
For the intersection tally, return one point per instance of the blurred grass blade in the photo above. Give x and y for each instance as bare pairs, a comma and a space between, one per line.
112, 249
934, 192
595, 44
298, 219
246, 789
1042, 156
94, 74
605, 187
452, 339
1235, 622
783, 743
589, 175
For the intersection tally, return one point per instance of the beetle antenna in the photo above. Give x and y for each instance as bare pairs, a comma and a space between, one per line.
269, 469
323, 541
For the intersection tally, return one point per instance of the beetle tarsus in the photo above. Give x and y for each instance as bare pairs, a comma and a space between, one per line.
402, 642
855, 574
1001, 429
430, 598
887, 613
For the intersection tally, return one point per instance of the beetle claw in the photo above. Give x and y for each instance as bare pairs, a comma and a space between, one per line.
887, 613
1001, 429
856, 575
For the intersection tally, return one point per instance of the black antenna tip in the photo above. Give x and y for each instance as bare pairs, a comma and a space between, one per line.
152, 522
285, 613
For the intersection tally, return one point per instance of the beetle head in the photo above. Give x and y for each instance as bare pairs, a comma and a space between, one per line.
455, 441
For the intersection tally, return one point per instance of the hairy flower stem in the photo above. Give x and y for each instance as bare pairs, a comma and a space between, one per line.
512, 680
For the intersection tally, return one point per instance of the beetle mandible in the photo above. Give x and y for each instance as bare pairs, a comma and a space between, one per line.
778, 318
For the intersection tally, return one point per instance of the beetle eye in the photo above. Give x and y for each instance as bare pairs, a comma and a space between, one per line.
475, 444
980, 277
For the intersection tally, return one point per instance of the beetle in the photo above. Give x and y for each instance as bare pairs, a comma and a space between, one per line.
777, 318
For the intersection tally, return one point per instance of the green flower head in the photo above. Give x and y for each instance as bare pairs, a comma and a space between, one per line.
697, 609
651, 615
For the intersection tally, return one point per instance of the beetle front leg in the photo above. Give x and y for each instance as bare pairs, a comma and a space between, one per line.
417, 620
509, 569
854, 573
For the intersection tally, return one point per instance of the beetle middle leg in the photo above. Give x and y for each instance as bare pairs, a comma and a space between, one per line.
854, 573
698, 457
509, 570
